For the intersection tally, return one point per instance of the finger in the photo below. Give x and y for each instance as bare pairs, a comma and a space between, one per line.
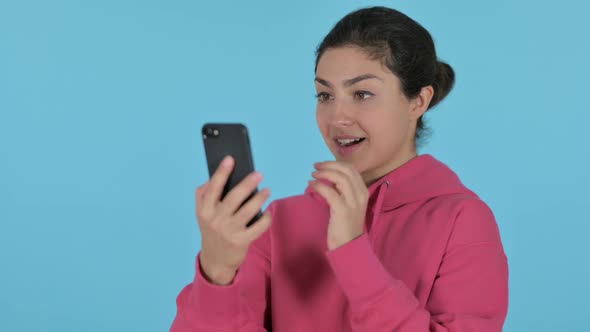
356, 180
341, 181
200, 192
236, 197
358, 184
251, 208
340, 166
334, 199
217, 182
259, 227
202, 214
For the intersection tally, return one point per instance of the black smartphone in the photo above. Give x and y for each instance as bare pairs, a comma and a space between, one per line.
222, 139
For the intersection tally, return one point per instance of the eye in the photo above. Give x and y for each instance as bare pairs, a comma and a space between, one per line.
361, 95
323, 97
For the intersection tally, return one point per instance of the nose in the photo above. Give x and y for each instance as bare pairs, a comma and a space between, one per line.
342, 114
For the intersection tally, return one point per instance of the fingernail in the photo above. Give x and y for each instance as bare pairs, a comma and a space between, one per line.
257, 176
226, 162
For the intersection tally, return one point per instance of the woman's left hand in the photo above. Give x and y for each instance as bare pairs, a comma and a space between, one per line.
347, 199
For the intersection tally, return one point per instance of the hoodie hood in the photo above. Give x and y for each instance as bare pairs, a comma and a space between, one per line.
421, 178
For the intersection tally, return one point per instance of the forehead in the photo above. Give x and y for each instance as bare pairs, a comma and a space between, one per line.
350, 61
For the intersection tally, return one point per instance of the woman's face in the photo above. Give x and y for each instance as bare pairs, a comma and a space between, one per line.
362, 113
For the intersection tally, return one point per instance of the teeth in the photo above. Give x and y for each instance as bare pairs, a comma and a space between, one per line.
347, 141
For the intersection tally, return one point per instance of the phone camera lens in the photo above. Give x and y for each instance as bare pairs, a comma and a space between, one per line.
210, 132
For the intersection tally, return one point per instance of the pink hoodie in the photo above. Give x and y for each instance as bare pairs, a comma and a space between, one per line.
430, 259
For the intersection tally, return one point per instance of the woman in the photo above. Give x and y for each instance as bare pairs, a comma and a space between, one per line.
383, 239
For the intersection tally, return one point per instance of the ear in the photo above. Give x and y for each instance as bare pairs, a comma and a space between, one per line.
420, 103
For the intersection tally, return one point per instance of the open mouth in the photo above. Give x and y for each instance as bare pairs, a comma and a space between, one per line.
346, 142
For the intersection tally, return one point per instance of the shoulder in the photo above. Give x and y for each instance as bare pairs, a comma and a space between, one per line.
473, 221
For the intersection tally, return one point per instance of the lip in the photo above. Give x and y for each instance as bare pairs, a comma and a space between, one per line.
336, 138
346, 151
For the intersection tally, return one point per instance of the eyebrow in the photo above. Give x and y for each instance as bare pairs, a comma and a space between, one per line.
349, 82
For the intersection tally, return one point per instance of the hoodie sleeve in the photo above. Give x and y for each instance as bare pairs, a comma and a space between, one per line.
241, 306
470, 292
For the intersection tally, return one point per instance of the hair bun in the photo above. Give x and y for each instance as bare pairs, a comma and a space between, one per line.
443, 82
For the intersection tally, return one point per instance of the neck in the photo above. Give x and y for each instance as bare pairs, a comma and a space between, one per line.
374, 175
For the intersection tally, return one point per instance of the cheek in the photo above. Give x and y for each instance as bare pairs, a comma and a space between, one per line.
386, 125
322, 120
398, 115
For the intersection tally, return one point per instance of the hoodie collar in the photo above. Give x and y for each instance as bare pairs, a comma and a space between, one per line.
421, 178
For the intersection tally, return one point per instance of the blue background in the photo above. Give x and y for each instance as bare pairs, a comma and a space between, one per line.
101, 103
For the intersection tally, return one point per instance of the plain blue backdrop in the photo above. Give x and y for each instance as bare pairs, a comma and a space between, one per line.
101, 103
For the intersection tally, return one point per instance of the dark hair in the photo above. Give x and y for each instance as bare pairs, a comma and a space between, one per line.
404, 46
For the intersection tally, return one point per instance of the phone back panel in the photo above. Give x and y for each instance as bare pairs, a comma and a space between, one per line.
231, 139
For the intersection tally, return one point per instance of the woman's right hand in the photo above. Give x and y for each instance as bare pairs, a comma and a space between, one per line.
224, 236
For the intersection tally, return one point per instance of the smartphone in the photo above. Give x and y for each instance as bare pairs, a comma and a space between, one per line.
222, 139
